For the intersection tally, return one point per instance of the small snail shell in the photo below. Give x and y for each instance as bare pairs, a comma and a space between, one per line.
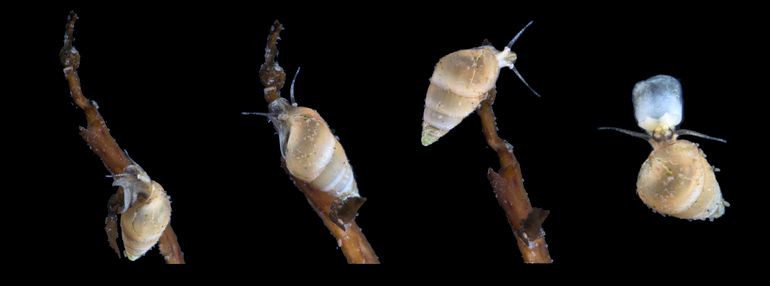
460, 83
658, 104
677, 180
312, 153
146, 213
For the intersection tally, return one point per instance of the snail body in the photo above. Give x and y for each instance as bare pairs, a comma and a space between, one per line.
146, 212
460, 82
310, 150
676, 179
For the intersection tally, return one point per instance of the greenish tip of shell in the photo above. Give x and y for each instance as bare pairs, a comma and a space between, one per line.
131, 257
427, 139
430, 134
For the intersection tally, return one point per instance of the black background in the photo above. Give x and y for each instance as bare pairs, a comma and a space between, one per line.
172, 81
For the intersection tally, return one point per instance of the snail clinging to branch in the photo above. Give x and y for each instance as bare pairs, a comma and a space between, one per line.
460, 83
145, 213
313, 155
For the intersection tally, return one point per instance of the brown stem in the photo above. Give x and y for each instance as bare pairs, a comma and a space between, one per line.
349, 237
508, 185
271, 74
98, 137
169, 247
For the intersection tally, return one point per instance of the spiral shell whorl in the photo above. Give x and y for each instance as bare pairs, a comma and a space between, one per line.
459, 83
314, 155
144, 222
677, 180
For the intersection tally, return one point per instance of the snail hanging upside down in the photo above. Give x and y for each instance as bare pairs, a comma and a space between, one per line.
675, 179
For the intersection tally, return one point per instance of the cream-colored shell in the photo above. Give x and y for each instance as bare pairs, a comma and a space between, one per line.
677, 180
314, 155
459, 83
146, 213
144, 223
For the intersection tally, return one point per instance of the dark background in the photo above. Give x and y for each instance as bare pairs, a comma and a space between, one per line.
172, 81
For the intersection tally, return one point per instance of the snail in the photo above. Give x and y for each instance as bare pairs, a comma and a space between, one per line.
675, 180
313, 154
459, 84
146, 211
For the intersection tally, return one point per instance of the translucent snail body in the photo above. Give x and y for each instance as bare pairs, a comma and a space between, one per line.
146, 212
658, 104
676, 179
459, 84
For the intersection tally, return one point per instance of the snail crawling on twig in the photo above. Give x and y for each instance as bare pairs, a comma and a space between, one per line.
313, 154
460, 82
